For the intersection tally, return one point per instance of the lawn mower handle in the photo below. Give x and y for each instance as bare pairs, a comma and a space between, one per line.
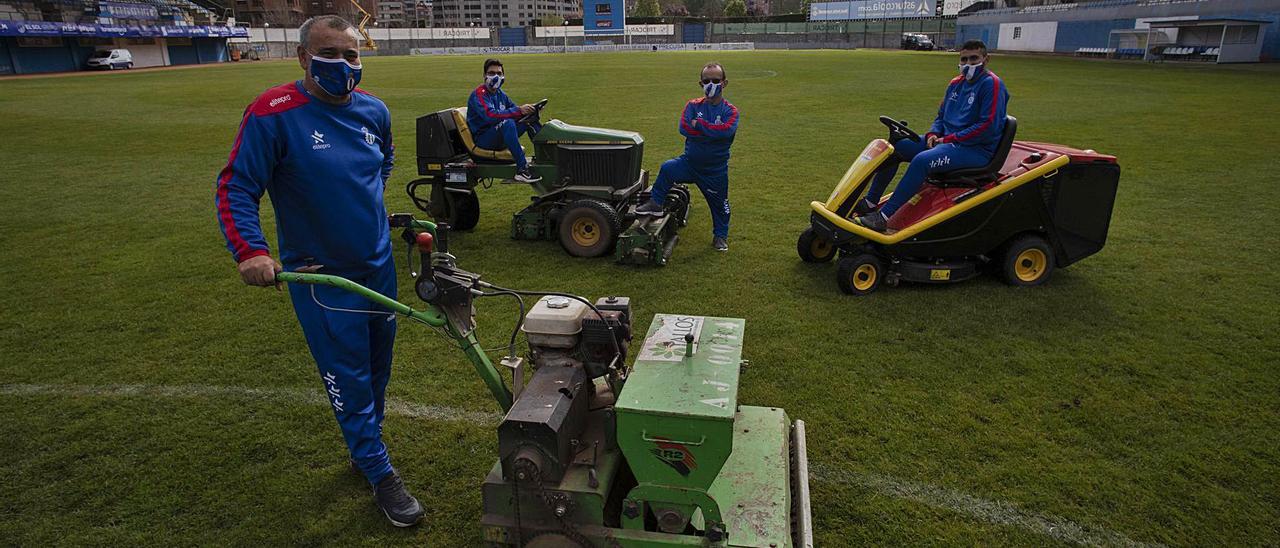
432, 316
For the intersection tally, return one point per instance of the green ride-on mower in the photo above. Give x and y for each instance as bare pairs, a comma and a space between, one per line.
591, 184
593, 453
1033, 208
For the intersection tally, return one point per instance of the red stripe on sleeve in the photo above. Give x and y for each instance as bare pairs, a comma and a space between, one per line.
685, 123
242, 249
480, 90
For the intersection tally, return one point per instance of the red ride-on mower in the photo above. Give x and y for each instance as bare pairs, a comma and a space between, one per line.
1035, 207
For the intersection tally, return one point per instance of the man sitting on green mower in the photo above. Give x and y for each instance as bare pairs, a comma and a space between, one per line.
497, 123
965, 134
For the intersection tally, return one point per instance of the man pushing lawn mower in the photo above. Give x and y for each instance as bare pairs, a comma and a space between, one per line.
321, 148
498, 123
965, 134
708, 124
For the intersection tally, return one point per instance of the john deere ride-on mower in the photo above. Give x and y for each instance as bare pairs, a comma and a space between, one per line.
593, 453
1035, 207
591, 184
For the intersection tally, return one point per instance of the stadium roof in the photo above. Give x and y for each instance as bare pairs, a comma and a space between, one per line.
1206, 22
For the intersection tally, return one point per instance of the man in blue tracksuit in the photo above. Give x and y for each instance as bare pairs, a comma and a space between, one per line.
964, 135
494, 119
322, 149
709, 124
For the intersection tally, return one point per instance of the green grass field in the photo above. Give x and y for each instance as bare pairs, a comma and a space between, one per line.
148, 397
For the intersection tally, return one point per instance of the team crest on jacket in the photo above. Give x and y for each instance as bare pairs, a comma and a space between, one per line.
368, 137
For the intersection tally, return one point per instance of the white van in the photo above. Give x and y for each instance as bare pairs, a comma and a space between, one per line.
110, 59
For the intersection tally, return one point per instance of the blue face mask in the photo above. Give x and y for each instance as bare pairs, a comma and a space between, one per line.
495, 81
971, 71
336, 77
712, 89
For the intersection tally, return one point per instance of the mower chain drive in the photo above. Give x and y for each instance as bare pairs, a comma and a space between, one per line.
551, 499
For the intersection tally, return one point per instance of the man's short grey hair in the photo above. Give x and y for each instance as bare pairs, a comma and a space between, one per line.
332, 21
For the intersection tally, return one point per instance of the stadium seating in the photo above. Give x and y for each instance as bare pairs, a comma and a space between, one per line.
1185, 53
1095, 52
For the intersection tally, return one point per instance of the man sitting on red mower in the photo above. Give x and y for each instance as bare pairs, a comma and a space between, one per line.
964, 135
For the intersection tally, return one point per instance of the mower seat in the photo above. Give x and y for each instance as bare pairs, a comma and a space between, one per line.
478, 154
978, 176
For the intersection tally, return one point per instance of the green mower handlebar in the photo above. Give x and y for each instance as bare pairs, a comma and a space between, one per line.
431, 316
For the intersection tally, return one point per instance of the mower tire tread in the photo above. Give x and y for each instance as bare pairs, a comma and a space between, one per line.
1027, 261
463, 210
813, 248
589, 228
859, 274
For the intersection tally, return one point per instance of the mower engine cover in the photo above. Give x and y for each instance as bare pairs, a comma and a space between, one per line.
555, 322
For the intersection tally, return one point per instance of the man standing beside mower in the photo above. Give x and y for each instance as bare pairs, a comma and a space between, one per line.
495, 120
322, 149
965, 134
709, 124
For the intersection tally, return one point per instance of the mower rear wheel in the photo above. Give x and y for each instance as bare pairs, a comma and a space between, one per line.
462, 210
859, 274
813, 248
1027, 261
589, 228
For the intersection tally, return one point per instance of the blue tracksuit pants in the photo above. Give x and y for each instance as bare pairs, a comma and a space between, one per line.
506, 135
353, 353
715, 189
941, 158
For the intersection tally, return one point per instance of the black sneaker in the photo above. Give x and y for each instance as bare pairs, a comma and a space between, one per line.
355, 468
875, 221
650, 207
721, 244
395, 501
865, 206
527, 176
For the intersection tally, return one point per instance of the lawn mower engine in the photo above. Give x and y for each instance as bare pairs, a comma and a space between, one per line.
669, 459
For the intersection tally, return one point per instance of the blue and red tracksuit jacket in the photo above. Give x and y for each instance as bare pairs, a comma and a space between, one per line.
487, 108
972, 113
325, 167
708, 131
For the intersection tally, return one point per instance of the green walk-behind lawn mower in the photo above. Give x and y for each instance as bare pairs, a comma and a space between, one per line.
593, 453
591, 184
1035, 207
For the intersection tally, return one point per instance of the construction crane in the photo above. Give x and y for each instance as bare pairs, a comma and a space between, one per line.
368, 42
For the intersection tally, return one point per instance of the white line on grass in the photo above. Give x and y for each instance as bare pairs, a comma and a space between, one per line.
411, 410
990, 511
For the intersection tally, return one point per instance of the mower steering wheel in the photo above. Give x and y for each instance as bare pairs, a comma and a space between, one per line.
537, 110
898, 130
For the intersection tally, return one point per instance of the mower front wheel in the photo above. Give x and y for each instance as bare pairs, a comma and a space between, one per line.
1027, 261
589, 228
813, 248
859, 274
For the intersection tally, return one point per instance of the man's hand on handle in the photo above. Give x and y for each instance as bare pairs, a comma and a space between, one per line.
260, 271
527, 109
